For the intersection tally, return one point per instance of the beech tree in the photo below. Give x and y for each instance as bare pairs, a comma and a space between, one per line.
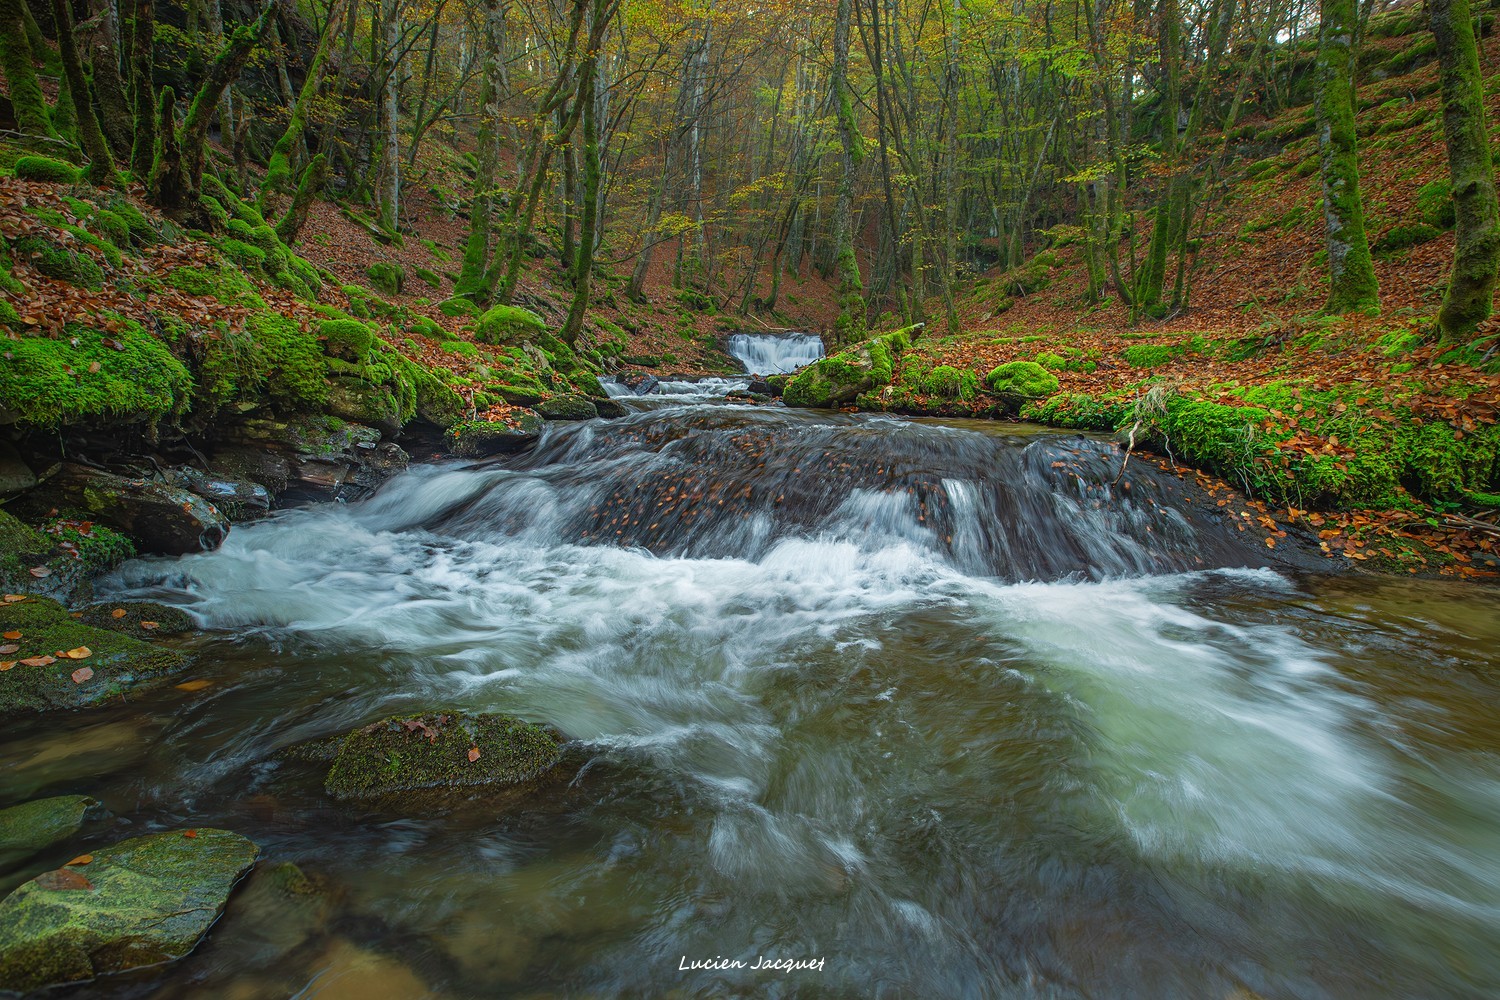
1351, 273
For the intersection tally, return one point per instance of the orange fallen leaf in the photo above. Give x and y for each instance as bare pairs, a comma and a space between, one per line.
13, 598
13, 635
473, 754
148, 625
82, 859
190, 834
80, 653
197, 685
6, 665
62, 880
117, 613
82, 674
37, 661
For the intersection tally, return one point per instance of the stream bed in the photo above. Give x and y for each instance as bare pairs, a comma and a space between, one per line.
946, 707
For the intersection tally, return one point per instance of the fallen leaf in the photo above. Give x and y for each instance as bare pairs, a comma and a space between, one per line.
8, 648
117, 613
473, 754
190, 834
37, 661
40, 571
198, 685
13, 598
79, 653
62, 880
82, 674
148, 625
13, 635
6, 665
82, 859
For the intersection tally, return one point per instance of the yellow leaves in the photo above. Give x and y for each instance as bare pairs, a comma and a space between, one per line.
13, 635
196, 685
117, 613
78, 653
82, 859
473, 754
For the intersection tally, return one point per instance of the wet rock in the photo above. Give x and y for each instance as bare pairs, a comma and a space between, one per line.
567, 408
348, 972
278, 910
372, 405
15, 475
137, 619
764, 386
33, 826
640, 383
439, 751
160, 517
607, 408
310, 459
477, 439
113, 665
838, 380
237, 499
138, 903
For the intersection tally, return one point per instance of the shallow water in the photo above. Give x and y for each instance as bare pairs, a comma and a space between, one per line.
908, 733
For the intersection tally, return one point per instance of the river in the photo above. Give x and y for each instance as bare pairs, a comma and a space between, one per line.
942, 705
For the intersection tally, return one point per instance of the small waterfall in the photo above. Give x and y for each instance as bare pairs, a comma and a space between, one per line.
774, 354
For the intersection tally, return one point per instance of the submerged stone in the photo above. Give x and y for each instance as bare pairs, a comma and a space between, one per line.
33, 826
138, 903
107, 664
476, 439
439, 751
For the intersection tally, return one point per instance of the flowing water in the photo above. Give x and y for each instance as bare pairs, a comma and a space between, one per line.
773, 353
944, 706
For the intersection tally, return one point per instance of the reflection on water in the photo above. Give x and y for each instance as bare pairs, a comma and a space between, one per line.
1224, 783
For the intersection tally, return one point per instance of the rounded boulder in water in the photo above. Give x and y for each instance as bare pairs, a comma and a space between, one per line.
139, 903
567, 408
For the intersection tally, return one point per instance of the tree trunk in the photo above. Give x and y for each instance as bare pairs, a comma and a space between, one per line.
279, 171
17, 61
143, 96
850, 325
1351, 274
388, 181
91, 136
477, 249
593, 173
296, 216
1476, 255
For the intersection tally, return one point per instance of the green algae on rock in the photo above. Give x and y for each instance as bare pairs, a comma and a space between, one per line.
115, 663
478, 438
439, 751
33, 826
137, 619
142, 902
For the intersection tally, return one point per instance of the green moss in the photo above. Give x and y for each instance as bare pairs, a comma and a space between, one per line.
386, 276
1435, 204
509, 324
142, 232
243, 254
1403, 237
1150, 355
111, 253
428, 328
458, 307
32, 826
948, 382
59, 262
461, 347
293, 362
51, 383
428, 277
44, 168
347, 338
163, 620
407, 754
1026, 379
217, 213
112, 227
227, 284
118, 662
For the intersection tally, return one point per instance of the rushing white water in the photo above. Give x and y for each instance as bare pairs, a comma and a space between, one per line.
775, 353
838, 737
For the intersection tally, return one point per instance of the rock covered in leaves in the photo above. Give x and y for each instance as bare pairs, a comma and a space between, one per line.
34, 826
161, 518
52, 660
439, 751
138, 903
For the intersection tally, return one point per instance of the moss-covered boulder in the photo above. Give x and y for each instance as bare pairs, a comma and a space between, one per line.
127, 376
34, 826
439, 751
457, 307
348, 339
44, 168
1022, 380
387, 277
51, 257
60, 561
138, 903
372, 405
478, 438
55, 661
137, 619
160, 518
509, 325
947, 382
837, 380
569, 407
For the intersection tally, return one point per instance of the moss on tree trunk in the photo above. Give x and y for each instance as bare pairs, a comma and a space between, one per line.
17, 61
1351, 275
143, 97
91, 136
1476, 257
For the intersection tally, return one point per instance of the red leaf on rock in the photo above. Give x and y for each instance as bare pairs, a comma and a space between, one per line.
473, 754
62, 880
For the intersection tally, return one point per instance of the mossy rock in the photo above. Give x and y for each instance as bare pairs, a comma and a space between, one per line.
1150, 355
436, 402
427, 277
137, 619
347, 338
44, 168
387, 277
1403, 237
117, 662
372, 405
437, 751
61, 263
947, 382
840, 379
456, 307
478, 438
569, 407
1435, 204
509, 324
139, 903
34, 826
429, 327
1023, 379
